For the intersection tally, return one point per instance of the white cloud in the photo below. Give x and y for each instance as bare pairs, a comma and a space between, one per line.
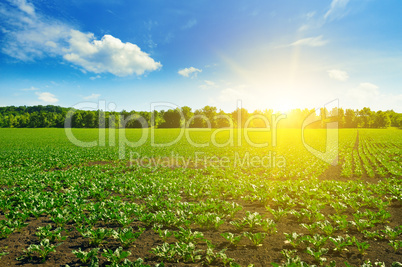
29, 36
208, 84
187, 72
47, 97
92, 96
108, 55
310, 41
24, 6
370, 95
369, 87
191, 23
95, 77
30, 89
339, 75
337, 9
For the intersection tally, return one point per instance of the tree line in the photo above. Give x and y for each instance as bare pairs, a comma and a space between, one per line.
208, 117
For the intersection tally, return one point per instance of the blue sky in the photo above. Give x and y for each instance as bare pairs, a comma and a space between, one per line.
268, 54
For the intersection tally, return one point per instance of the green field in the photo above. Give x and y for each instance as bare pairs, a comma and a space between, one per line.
216, 198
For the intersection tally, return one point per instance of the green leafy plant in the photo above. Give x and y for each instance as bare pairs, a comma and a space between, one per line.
361, 246
318, 241
238, 224
392, 234
164, 234
256, 238
115, 257
252, 219
165, 252
96, 236
277, 213
395, 244
341, 242
126, 235
188, 252
46, 232
294, 239
318, 254
43, 249
187, 236
232, 238
88, 257
269, 226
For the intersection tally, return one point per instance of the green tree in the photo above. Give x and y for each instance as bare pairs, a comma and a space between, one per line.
187, 114
350, 119
382, 120
172, 119
210, 113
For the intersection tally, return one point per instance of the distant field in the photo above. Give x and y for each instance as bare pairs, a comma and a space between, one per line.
197, 197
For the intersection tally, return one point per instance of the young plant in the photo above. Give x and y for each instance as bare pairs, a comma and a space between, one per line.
115, 257
188, 252
126, 236
3, 252
210, 255
5, 231
326, 227
89, 257
341, 221
269, 226
96, 236
224, 258
232, 238
165, 252
372, 235
395, 244
164, 234
318, 254
256, 238
339, 207
362, 224
252, 219
238, 224
341, 242
43, 249
186, 235
46, 232
318, 241
361, 246
392, 234
294, 239
124, 220
311, 227
278, 214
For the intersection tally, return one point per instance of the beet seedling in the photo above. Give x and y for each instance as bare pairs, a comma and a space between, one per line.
43, 249
126, 236
361, 246
96, 236
256, 238
187, 236
318, 241
45, 232
317, 254
232, 238
115, 257
89, 257
294, 239
395, 244
164, 234
341, 242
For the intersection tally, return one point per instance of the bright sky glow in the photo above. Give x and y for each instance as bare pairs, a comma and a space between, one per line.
269, 54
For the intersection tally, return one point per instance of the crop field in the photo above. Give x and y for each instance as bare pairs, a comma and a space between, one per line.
200, 198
